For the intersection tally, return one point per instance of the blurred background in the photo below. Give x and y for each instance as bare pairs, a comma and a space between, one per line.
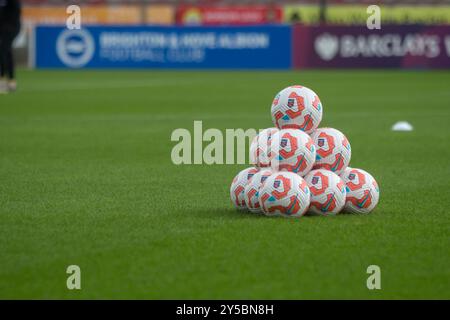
317, 33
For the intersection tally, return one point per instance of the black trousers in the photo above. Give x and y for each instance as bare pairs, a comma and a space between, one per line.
7, 36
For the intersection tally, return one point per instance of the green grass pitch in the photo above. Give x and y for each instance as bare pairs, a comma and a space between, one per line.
86, 178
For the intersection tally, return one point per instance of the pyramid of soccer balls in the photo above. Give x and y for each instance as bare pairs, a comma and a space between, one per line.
300, 168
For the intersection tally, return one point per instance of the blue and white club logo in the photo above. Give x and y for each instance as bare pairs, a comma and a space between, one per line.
75, 48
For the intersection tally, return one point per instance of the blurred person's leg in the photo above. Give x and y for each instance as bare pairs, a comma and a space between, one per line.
3, 81
11, 69
2, 67
2, 70
10, 62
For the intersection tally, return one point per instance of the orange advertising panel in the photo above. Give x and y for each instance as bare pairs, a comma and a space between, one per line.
130, 14
160, 14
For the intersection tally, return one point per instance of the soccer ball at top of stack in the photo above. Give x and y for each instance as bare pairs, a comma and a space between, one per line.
300, 168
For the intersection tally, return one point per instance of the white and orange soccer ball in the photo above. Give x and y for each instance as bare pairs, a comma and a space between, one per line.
253, 187
327, 192
292, 150
285, 194
259, 147
333, 151
297, 107
237, 189
363, 192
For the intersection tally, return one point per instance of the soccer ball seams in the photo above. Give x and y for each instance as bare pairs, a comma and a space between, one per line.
327, 192
291, 209
292, 144
327, 206
237, 192
296, 107
300, 165
307, 124
259, 149
284, 193
361, 180
293, 96
321, 151
324, 184
364, 202
286, 183
251, 192
316, 103
237, 189
292, 150
362, 191
333, 150
278, 116
275, 100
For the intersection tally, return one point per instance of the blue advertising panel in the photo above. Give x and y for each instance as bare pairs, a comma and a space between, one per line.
255, 47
